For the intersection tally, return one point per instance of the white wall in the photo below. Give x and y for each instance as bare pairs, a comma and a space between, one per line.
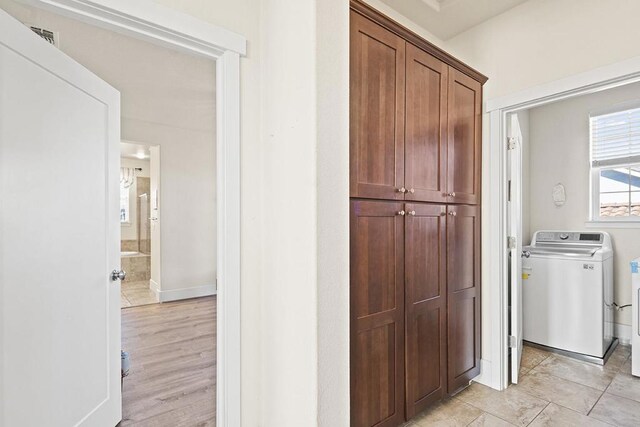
243, 17
130, 231
294, 249
168, 98
524, 121
560, 153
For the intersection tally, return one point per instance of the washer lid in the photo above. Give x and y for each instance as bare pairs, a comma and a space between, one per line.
564, 250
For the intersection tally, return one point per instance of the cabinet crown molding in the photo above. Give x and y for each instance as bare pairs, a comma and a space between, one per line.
375, 15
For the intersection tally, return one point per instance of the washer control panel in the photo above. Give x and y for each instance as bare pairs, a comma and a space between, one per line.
568, 237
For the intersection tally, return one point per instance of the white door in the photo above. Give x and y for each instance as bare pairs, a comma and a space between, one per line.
514, 224
59, 238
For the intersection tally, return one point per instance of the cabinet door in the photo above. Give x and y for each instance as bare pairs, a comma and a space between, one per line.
377, 78
464, 138
463, 289
426, 127
377, 314
426, 305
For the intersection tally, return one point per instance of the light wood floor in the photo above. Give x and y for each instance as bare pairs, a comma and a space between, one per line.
172, 381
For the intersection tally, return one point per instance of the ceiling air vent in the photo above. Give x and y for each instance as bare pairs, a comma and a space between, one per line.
48, 35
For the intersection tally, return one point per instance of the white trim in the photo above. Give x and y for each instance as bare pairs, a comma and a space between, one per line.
486, 373
147, 20
607, 77
185, 293
612, 224
150, 21
228, 234
622, 332
495, 200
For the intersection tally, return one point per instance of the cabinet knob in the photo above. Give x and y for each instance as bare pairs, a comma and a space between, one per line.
452, 194
402, 190
411, 190
412, 213
453, 213
401, 213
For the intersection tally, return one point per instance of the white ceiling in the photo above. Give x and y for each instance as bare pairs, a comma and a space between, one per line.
134, 151
448, 18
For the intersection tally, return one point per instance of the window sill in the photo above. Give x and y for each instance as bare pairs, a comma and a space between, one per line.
612, 224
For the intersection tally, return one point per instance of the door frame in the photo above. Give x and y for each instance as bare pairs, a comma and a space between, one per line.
495, 269
160, 25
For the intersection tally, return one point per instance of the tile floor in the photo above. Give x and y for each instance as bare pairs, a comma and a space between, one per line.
134, 294
553, 391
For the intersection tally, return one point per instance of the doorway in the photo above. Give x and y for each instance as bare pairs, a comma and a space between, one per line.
224, 48
529, 201
139, 223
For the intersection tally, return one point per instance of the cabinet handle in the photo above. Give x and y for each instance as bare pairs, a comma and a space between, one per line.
401, 213
452, 194
402, 190
411, 190
412, 213
453, 213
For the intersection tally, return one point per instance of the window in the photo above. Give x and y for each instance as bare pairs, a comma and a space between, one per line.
615, 166
124, 204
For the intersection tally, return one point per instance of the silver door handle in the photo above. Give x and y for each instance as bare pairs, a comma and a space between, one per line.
525, 254
118, 275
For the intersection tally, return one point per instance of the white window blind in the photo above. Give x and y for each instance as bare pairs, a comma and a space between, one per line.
615, 138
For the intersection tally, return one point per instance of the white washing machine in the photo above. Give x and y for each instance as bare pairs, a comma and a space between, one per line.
635, 317
567, 292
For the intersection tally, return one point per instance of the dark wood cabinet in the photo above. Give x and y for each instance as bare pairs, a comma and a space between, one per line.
377, 313
426, 127
463, 139
463, 295
377, 90
415, 171
425, 305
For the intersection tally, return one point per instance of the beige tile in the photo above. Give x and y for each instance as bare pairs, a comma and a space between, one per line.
451, 412
512, 405
624, 385
569, 394
140, 296
617, 411
523, 371
623, 349
532, 357
580, 372
618, 359
626, 368
488, 420
124, 302
142, 284
555, 415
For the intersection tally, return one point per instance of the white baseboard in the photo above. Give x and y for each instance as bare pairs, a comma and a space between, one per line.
486, 374
622, 332
179, 294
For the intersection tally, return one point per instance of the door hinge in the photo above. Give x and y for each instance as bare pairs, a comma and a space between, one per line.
511, 242
513, 342
511, 142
